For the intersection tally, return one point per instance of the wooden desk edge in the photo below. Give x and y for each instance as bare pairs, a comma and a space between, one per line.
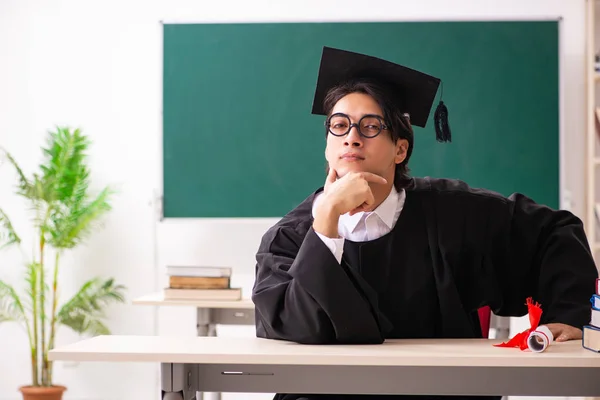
157, 299
112, 348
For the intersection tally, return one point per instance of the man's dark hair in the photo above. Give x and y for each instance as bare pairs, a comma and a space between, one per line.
392, 114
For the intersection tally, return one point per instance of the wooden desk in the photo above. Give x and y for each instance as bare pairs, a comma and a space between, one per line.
209, 313
438, 367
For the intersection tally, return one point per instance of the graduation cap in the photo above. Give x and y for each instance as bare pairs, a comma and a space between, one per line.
414, 90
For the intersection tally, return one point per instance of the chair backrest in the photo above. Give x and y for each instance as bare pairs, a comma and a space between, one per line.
485, 315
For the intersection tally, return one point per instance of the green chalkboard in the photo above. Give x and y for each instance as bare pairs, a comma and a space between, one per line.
239, 139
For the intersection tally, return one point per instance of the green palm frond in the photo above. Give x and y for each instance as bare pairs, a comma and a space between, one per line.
11, 307
32, 277
39, 191
32, 288
8, 236
24, 186
70, 227
65, 181
83, 313
65, 163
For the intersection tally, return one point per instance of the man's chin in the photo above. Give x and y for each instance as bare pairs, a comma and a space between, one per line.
345, 170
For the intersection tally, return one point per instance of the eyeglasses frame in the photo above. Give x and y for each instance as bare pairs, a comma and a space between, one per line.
384, 126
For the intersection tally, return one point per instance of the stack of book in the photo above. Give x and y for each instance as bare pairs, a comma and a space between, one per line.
200, 283
591, 332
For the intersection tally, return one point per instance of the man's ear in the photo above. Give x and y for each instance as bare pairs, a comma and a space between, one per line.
401, 150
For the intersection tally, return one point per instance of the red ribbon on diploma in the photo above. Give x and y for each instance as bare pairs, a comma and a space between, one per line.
520, 339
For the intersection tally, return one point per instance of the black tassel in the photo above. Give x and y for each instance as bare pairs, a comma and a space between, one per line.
442, 129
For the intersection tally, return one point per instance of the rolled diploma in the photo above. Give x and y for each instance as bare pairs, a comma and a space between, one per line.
540, 339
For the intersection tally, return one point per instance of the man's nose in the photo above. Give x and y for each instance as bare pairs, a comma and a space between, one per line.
353, 138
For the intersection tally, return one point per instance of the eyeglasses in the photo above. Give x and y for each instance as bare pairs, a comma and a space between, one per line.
369, 126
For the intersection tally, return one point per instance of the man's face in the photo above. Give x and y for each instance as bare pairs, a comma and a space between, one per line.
354, 152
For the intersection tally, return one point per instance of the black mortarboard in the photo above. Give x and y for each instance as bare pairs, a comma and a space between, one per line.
414, 90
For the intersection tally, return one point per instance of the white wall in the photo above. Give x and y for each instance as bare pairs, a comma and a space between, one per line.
96, 65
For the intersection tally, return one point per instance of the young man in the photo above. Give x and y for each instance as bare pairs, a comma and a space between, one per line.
376, 254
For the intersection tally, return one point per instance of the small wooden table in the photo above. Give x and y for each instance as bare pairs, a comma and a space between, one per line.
416, 366
209, 314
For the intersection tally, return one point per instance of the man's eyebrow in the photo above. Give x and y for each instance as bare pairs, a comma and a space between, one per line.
362, 115
372, 115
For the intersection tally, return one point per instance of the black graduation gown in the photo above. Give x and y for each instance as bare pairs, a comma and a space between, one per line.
453, 250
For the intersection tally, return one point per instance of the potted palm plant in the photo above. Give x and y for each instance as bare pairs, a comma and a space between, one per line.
64, 213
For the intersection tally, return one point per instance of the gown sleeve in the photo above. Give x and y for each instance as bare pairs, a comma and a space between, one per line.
514, 248
553, 247
302, 294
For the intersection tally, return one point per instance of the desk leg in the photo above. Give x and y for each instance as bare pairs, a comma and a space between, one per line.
178, 381
205, 327
502, 325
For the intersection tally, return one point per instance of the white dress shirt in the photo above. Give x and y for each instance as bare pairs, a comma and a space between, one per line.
365, 226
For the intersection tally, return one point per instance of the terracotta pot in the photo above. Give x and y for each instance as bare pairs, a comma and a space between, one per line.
42, 392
